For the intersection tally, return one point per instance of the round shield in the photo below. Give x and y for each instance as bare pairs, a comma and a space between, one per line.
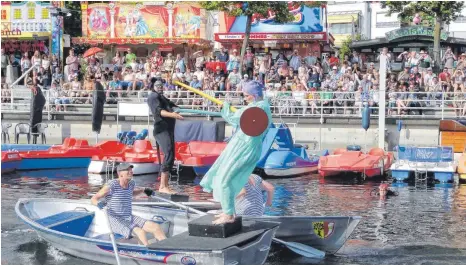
254, 121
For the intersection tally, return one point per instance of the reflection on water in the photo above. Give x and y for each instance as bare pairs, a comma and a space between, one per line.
422, 225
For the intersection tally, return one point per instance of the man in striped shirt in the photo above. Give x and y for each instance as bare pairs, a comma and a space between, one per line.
250, 200
117, 195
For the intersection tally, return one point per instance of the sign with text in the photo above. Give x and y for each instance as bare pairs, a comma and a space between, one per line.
271, 36
414, 31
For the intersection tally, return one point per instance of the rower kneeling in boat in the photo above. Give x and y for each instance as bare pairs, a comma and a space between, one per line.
118, 196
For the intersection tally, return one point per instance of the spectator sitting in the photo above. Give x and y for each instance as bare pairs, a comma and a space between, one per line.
114, 85
312, 97
391, 99
427, 79
234, 78
300, 96
314, 78
196, 83
457, 81
404, 76
459, 100
340, 101
445, 79
402, 100
413, 98
326, 97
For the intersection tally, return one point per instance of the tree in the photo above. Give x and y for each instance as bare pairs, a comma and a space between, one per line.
73, 24
444, 12
345, 48
260, 8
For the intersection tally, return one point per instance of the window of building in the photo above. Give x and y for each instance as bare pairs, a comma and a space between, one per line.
45, 13
17, 14
341, 28
31, 10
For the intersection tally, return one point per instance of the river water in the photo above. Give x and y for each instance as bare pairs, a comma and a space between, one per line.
422, 225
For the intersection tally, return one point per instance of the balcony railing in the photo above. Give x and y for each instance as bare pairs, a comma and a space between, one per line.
432, 105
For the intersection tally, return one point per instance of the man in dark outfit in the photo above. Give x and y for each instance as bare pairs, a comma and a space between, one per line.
164, 131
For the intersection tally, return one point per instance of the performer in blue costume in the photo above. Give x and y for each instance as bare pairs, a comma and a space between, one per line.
232, 169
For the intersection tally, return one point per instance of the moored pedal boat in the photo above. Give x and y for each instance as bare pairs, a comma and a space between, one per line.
424, 162
141, 155
79, 228
374, 163
74, 153
10, 161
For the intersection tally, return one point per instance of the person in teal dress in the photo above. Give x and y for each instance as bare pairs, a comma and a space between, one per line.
232, 169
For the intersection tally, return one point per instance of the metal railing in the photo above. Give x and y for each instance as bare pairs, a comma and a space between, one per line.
436, 105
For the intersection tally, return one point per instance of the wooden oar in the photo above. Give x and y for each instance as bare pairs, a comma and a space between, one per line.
253, 121
301, 249
112, 237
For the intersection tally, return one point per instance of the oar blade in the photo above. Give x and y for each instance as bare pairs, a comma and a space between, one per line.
303, 250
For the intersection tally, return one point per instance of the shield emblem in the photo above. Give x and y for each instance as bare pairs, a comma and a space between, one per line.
323, 229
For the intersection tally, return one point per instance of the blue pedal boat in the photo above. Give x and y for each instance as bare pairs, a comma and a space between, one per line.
281, 157
424, 162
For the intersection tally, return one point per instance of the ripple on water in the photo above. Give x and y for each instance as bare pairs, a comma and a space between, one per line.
420, 226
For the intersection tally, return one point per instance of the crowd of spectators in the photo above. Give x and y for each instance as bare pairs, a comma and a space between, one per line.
304, 84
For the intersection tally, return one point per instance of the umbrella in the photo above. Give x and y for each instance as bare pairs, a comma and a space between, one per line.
92, 51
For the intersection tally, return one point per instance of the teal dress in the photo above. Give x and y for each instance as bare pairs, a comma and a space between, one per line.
232, 169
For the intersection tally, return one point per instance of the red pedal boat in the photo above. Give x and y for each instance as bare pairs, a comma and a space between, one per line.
141, 155
10, 161
199, 156
372, 164
73, 153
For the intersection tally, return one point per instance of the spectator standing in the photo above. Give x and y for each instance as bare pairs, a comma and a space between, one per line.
5, 62
130, 59
295, 61
73, 63
179, 63
223, 56
311, 59
425, 61
249, 59
449, 59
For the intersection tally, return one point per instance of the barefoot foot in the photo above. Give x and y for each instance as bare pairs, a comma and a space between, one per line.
167, 190
224, 219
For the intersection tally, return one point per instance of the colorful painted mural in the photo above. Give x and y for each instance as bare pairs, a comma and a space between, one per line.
140, 21
187, 22
307, 20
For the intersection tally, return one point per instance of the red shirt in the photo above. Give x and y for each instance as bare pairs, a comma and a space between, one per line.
333, 61
444, 76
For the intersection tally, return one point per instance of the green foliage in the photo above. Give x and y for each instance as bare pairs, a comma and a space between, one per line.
345, 48
446, 11
73, 24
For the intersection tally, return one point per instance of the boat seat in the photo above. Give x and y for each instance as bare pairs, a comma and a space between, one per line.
377, 152
164, 224
339, 151
206, 148
81, 143
70, 222
142, 146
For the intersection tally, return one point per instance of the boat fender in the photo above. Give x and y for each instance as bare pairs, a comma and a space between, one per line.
399, 125
366, 117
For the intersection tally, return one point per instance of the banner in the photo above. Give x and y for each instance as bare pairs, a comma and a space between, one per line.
57, 33
306, 20
187, 22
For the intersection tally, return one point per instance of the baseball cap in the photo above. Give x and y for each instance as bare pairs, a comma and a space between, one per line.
124, 166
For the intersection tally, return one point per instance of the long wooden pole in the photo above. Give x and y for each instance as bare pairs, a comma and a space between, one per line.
204, 95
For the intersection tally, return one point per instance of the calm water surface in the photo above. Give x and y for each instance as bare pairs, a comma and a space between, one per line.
421, 226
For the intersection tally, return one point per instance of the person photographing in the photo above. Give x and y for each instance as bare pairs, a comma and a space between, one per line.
164, 131
118, 195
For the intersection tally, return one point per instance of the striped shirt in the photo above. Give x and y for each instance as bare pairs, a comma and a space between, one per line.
252, 203
119, 200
